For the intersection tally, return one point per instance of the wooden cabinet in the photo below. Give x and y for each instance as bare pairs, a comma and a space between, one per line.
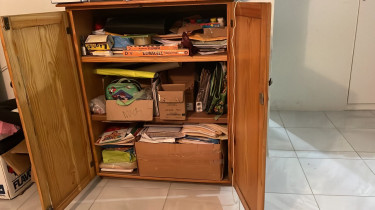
362, 85
53, 85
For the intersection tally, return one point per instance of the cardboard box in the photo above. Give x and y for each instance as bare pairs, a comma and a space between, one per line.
99, 42
172, 102
139, 110
185, 75
15, 167
187, 161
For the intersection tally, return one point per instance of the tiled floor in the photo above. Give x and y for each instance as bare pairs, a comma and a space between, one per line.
317, 160
326, 161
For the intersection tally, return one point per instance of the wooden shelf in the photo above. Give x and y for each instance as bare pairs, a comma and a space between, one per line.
114, 4
135, 175
123, 59
192, 117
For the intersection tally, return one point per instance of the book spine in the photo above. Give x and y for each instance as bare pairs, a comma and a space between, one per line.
181, 52
132, 48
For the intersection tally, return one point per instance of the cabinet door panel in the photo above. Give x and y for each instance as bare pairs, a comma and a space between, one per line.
362, 85
249, 76
44, 74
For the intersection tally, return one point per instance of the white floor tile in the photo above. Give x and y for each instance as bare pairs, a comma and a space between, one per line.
298, 119
282, 153
322, 139
345, 202
339, 177
137, 183
85, 199
362, 140
32, 203
19, 200
352, 119
278, 139
371, 164
367, 155
275, 201
130, 198
327, 155
200, 199
285, 175
275, 120
196, 186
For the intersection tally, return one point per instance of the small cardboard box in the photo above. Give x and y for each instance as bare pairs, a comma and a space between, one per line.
172, 102
13, 183
185, 75
139, 110
99, 42
185, 161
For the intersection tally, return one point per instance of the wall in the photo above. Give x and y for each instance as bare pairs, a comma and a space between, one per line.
17, 7
312, 53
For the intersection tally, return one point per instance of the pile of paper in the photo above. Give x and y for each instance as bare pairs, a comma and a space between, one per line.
210, 47
204, 134
161, 133
116, 137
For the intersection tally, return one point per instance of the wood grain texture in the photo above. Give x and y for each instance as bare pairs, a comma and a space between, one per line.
192, 117
248, 81
44, 70
135, 175
136, 3
161, 59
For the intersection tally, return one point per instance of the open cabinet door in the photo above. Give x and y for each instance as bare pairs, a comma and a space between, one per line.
249, 83
41, 63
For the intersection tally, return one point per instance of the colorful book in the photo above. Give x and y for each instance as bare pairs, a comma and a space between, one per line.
151, 47
180, 52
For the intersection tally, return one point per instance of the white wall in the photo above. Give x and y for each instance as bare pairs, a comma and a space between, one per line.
17, 7
312, 53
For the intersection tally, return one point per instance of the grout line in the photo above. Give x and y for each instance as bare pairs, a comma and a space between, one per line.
28, 198
360, 196
166, 197
304, 173
350, 144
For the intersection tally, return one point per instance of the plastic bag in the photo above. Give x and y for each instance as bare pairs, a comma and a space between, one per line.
97, 105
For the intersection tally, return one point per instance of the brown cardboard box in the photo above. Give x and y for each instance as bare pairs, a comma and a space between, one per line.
188, 161
139, 110
172, 102
16, 181
18, 158
185, 75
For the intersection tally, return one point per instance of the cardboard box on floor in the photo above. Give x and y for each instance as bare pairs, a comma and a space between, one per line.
172, 102
185, 75
16, 171
186, 161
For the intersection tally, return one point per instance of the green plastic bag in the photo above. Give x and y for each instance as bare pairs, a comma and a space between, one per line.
115, 156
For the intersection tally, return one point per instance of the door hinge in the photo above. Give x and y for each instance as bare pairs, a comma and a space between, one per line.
261, 98
270, 82
231, 23
68, 30
49, 207
92, 164
6, 23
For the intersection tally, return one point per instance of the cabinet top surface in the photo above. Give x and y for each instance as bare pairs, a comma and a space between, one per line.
132, 3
